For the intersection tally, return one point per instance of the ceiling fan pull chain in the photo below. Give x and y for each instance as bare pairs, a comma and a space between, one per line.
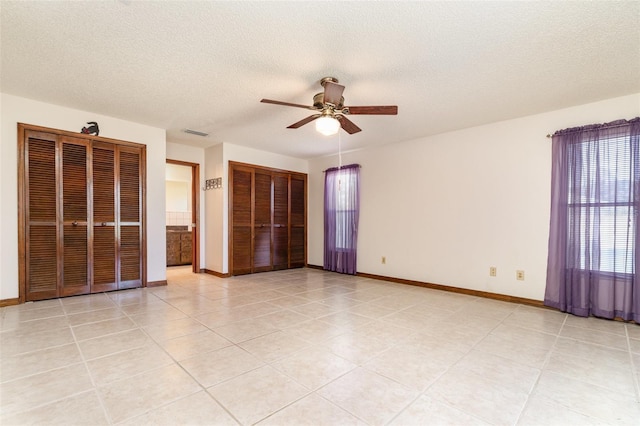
339, 150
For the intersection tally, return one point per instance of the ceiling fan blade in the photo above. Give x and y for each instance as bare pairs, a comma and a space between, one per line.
269, 101
374, 110
304, 121
348, 125
333, 93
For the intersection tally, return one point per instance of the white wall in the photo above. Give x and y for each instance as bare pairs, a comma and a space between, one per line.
214, 205
178, 172
14, 110
445, 208
177, 197
243, 154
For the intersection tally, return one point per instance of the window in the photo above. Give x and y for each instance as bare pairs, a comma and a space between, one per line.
601, 204
341, 211
595, 196
346, 184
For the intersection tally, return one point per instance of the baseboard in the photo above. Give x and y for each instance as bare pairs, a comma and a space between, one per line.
9, 302
215, 273
467, 291
156, 283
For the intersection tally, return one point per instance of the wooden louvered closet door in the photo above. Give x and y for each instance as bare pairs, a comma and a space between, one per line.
117, 217
74, 217
41, 216
262, 222
80, 214
104, 218
57, 252
268, 219
298, 236
241, 220
130, 217
280, 221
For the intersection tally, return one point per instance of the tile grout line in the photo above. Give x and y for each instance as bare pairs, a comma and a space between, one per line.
542, 368
634, 370
174, 362
86, 366
423, 393
203, 388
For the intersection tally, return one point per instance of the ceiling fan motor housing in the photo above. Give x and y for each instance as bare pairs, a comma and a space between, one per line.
318, 101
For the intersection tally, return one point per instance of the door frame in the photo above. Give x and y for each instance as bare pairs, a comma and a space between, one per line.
195, 212
22, 129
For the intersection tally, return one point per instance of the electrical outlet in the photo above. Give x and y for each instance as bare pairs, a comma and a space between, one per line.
383, 260
520, 275
493, 271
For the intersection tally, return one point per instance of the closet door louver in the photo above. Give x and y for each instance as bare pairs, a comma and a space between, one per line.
130, 218
41, 216
280, 221
262, 222
104, 218
242, 220
75, 239
297, 240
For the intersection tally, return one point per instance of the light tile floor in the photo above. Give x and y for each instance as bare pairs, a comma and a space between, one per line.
305, 347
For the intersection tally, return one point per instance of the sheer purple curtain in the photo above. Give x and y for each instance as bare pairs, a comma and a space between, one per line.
341, 211
595, 197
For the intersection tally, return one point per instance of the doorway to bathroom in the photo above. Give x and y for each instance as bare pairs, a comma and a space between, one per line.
182, 214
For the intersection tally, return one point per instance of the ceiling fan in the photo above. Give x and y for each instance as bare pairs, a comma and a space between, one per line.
331, 111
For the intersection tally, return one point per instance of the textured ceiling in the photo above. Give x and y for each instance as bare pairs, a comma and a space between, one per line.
206, 65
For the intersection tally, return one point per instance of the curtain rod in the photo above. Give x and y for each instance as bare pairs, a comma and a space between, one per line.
609, 125
342, 167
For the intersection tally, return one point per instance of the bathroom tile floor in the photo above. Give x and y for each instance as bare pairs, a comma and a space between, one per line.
307, 347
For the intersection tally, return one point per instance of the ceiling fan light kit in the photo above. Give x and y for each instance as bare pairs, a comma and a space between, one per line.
331, 113
327, 125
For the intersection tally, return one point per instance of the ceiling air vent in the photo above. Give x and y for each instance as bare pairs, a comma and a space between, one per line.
195, 132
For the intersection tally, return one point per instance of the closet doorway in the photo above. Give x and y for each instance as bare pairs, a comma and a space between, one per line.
81, 214
267, 219
182, 214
